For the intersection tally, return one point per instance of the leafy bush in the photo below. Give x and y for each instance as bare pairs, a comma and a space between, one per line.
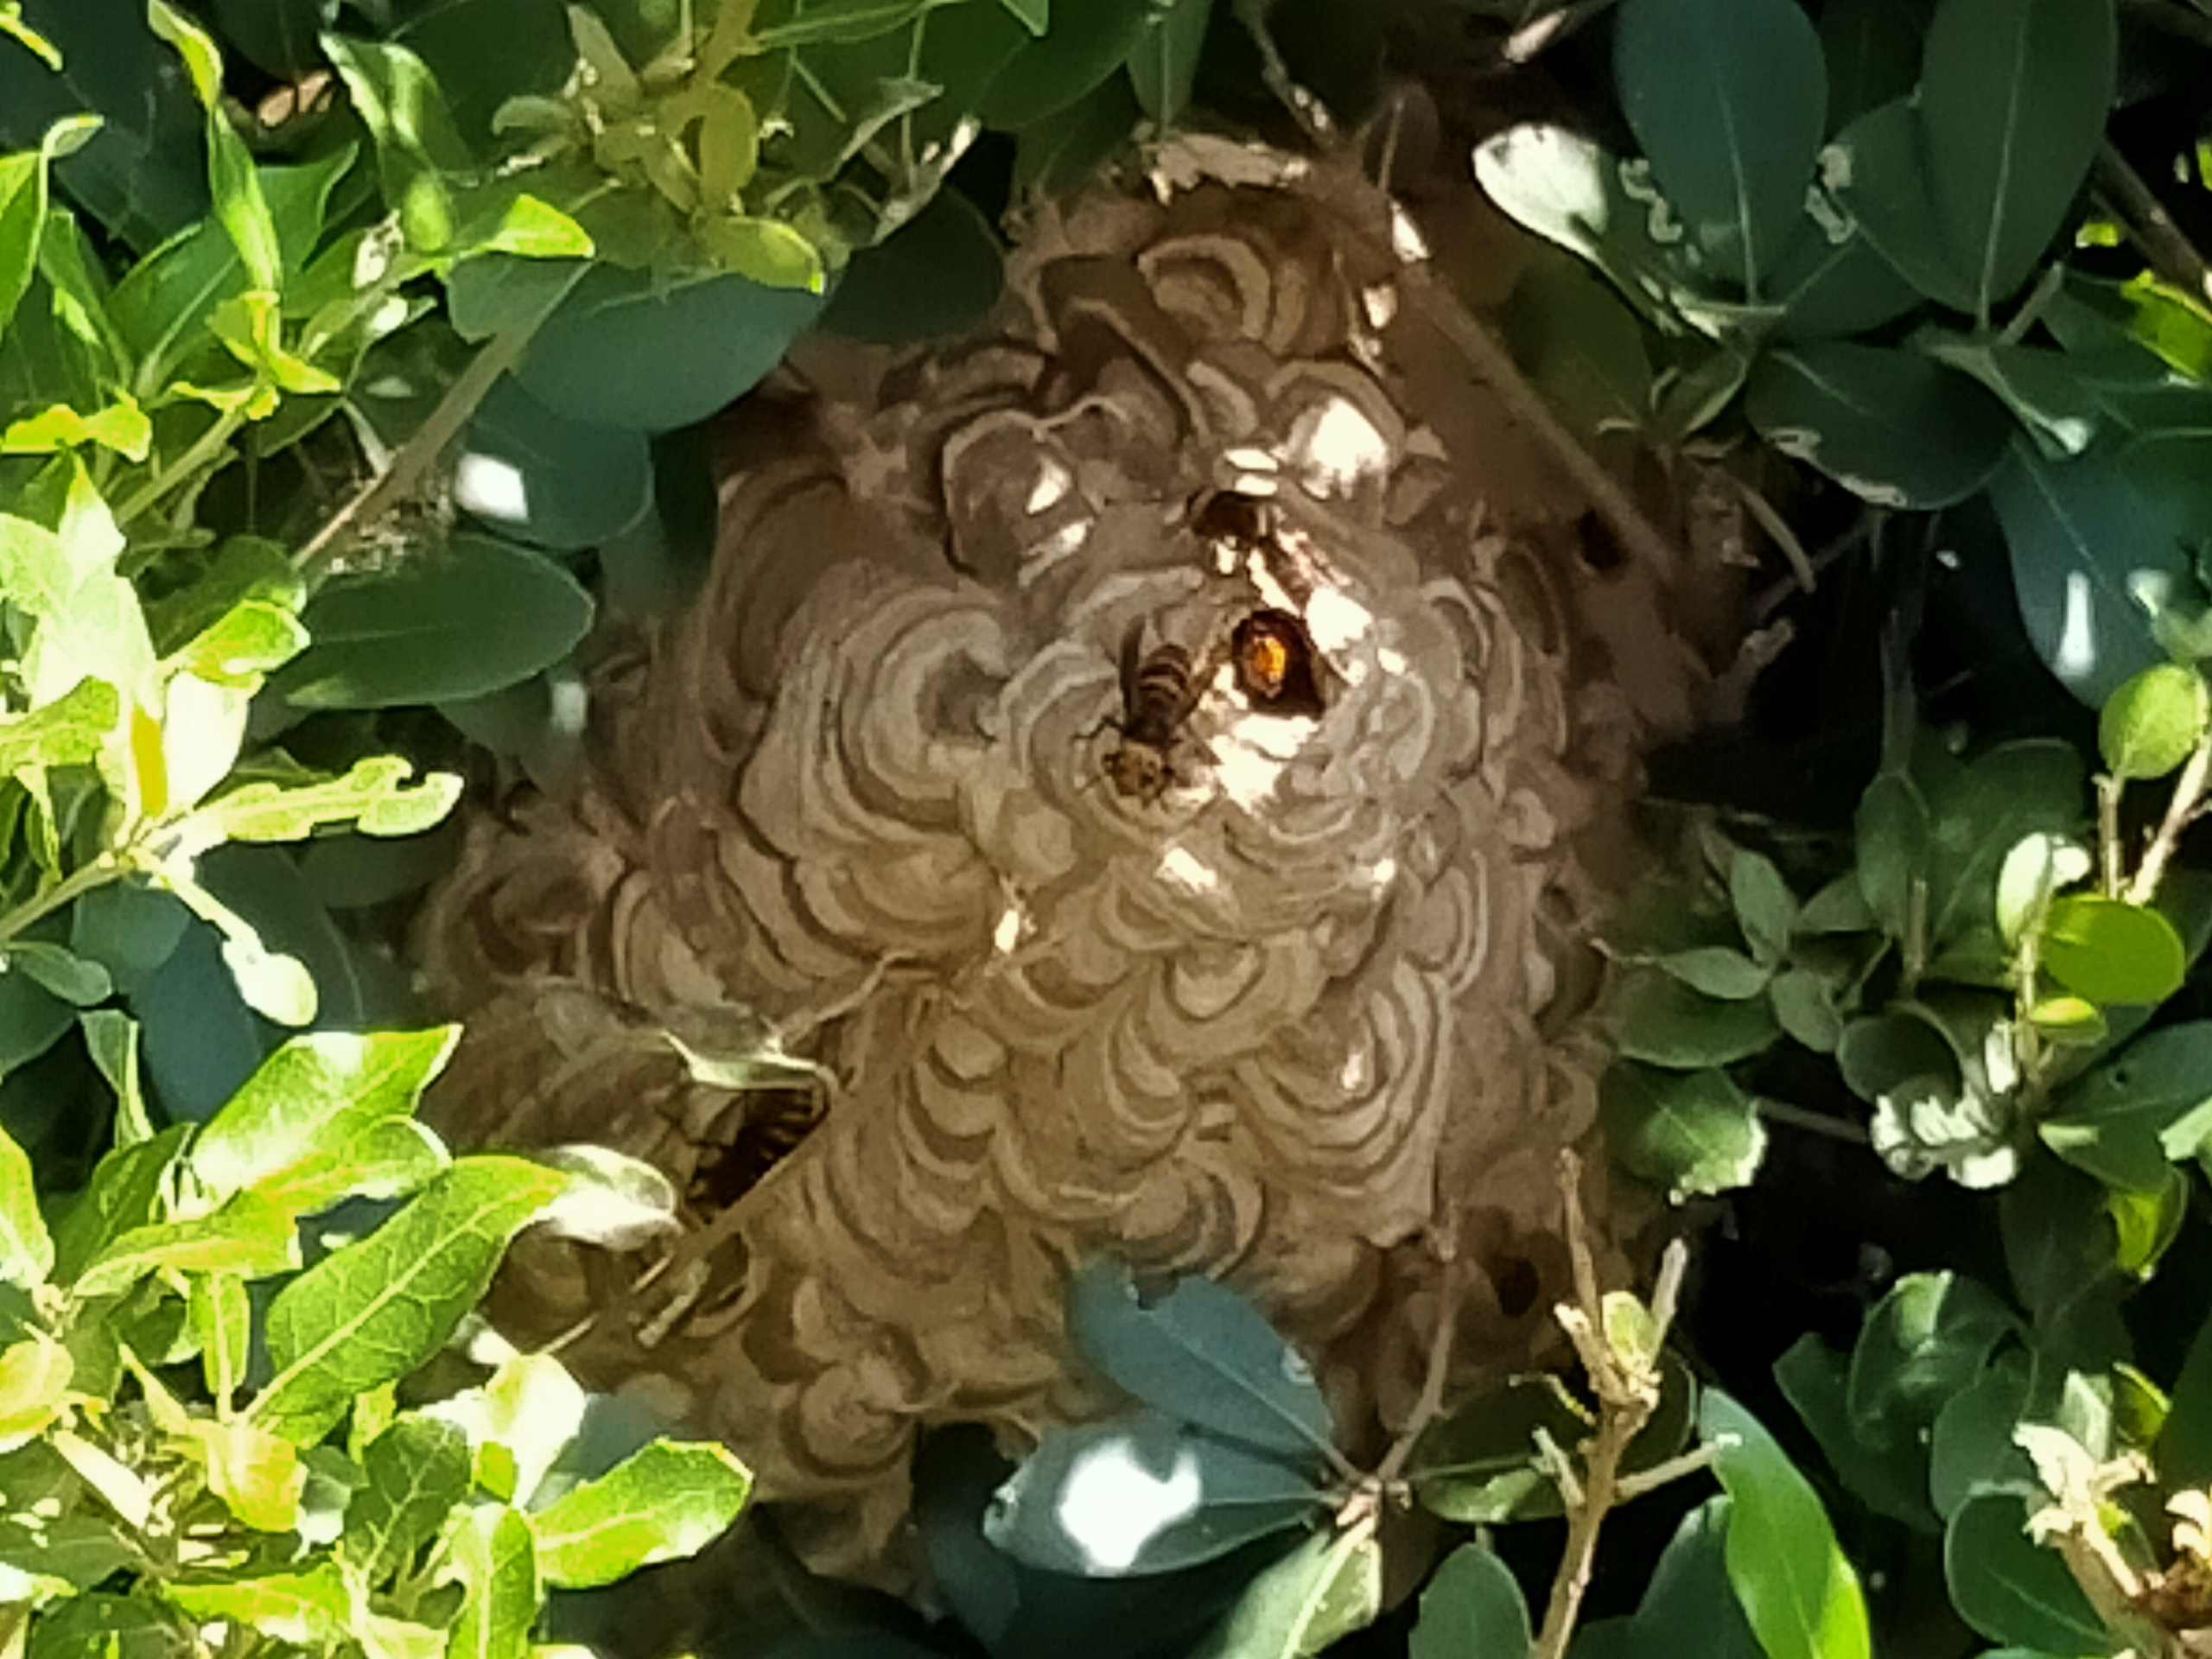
328, 426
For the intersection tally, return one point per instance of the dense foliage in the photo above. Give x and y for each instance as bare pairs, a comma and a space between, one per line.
350, 369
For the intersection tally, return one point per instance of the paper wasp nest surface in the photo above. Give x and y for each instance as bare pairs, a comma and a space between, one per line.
1139, 756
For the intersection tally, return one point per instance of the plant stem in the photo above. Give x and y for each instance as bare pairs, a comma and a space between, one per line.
2109, 788
1600, 1491
102, 870
421, 451
2148, 225
1797, 1118
210, 444
2189, 792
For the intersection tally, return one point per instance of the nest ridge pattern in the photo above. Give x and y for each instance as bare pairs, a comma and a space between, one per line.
969, 778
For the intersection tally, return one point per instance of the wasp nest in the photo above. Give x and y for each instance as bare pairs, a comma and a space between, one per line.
1124, 787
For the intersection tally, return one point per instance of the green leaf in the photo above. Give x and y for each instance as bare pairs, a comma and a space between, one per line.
285, 1134
2092, 561
1892, 848
2014, 99
240, 204
662, 1503
1928, 1338
481, 53
1142, 1494
418, 1473
2109, 950
111, 1042
1805, 1007
2125, 1121
1765, 908
1201, 1354
1873, 50
371, 1312
936, 279
520, 1422
2148, 727
1729, 99
375, 797
491, 1557
1328, 1588
309, 1607
1892, 426
2037, 866
1689, 1610
123, 1194
221, 1321
499, 293
277, 36
2147, 1223
2043, 389
400, 101
256, 1474
1471, 1604
1889, 1476
1084, 45
1797, 1590
1690, 1133
1971, 1444
1978, 813
1662, 1021
248, 1236
482, 614
547, 480
1163, 64
1717, 971
143, 174
26, 1249
2011, 1589
34, 1377
1880, 176
622, 348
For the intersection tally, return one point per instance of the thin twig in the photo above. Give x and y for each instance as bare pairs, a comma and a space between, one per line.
2181, 811
1430, 1405
1487, 356
421, 451
1778, 532
2148, 225
1836, 1129
1788, 587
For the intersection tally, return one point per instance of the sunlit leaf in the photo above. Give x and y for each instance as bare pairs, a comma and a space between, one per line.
2109, 950
1330, 1586
1691, 1132
660, 1504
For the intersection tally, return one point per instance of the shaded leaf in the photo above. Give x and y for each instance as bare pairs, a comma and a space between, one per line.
417, 1471
1324, 1590
547, 480
2126, 1120
1201, 1354
1892, 426
2010, 1588
1471, 1604
1163, 64
1729, 99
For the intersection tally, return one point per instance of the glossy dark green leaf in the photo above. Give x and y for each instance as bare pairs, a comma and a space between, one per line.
1928, 1338
144, 174
1980, 813
1201, 1354
1690, 1132
32, 1019
1798, 1591
2184, 1449
2014, 99
1689, 1610
1891, 426
1084, 46
1472, 1605
1872, 48
369, 1314
1832, 283
936, 277
624, 349
1971, 1444
1729, 99
2116, 1120
547, 480
2109, 950
1143, 1494
1717, 971
1881, 176
1889, 1476
1662, 1021
484, 52
1163, 64
1892, 829
498, 292
1327, 1588
2010, 1588
277, 36
476, 615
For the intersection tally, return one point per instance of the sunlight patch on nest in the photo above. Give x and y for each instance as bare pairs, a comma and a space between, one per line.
1181, 867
